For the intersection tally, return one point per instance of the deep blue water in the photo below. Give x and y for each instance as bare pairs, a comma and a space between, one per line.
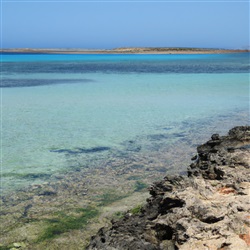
26, 64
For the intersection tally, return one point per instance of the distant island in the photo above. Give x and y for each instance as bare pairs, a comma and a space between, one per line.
126, 50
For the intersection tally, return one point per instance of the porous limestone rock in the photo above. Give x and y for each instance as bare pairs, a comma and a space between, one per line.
207, 210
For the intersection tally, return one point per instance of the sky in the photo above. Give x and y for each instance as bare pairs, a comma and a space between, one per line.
112, 24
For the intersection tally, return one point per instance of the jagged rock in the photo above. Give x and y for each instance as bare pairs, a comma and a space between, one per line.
208, 209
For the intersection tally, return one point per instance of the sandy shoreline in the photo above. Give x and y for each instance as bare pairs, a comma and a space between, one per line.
125, 51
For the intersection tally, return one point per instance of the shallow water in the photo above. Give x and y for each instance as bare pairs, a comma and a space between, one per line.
65, 112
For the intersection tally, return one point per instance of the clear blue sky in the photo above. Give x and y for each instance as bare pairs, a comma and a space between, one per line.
99, 24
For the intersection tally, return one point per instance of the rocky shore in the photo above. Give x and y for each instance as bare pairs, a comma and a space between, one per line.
208, 209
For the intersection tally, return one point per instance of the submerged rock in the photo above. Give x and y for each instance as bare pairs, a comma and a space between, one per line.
208, 209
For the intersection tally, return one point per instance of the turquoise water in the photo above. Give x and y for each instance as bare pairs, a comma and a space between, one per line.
67, 111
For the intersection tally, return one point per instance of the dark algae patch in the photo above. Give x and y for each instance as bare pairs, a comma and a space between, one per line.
139, 186
136, 210
119, 215
64, 223
80, 150
4, 248
27, 176
11, 83
110, 197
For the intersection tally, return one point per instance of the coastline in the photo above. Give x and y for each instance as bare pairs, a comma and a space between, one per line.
167, 51
208, 209
91, 196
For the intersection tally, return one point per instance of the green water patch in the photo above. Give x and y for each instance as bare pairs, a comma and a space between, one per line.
110, 197
119, 215
5, 247
139, 186
136, 210
63, 223
27, 176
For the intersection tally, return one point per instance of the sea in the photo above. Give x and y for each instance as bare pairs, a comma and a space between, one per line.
61, 113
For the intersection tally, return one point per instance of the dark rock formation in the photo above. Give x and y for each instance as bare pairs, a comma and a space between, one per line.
209, 209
